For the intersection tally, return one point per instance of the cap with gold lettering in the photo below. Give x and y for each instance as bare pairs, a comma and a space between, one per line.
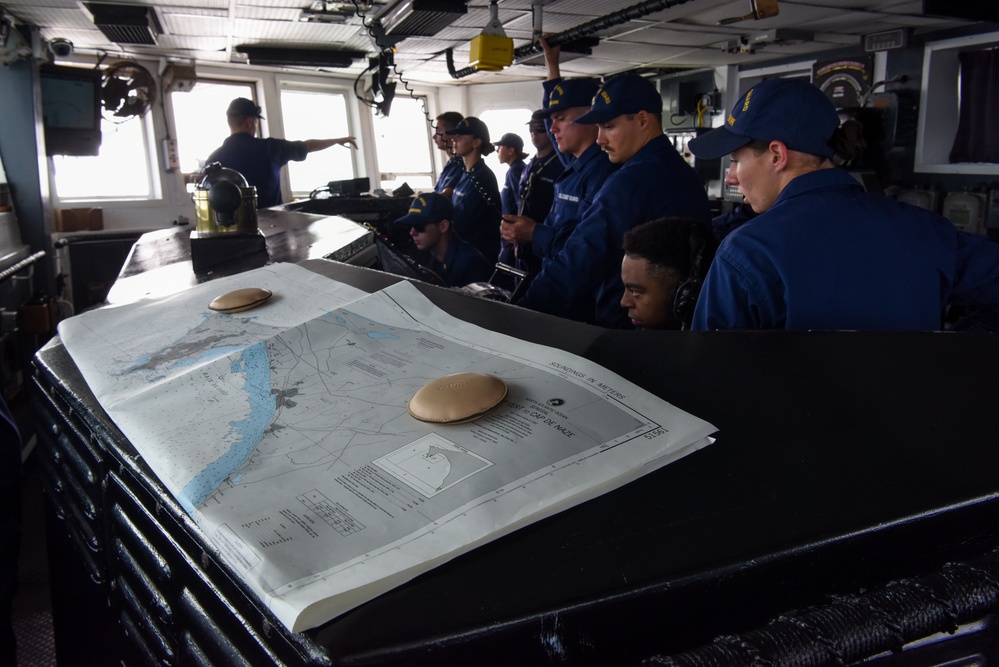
428, 207
623, 94
569, 93
792, 111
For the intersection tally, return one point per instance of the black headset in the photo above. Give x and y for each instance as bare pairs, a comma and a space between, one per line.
684, 298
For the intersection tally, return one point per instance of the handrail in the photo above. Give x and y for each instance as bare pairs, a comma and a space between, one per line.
23, 264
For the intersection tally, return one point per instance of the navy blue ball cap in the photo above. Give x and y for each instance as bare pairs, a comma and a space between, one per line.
511, 140
472, 126
429, 207
243, 107
623, 94
477, 129
569, 93
792, 111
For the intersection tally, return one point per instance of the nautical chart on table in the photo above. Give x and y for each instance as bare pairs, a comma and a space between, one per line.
283, 431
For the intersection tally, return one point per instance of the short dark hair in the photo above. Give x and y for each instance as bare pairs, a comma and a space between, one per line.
682, 245
845, 145
450, 119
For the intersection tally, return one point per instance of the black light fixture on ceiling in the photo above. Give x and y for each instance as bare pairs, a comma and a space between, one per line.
284, 57
421, 18
781, 37
126, 24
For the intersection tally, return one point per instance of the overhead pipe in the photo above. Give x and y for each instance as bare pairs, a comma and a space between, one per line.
641, 10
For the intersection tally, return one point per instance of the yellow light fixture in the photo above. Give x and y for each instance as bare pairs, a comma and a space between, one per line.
492, 50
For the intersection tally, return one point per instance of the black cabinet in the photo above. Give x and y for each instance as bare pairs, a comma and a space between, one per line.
90, 263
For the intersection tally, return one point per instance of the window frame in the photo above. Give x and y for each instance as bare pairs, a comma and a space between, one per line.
153, 176
423, 99
276, 125
251, 86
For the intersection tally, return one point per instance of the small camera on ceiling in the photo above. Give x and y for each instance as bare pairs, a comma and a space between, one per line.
61, 47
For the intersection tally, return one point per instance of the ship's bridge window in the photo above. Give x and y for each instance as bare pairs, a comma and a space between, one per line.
499, 122
317, 114
403, 146
118, 172
199, 116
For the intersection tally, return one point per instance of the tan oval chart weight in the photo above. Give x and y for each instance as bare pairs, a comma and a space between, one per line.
457, 398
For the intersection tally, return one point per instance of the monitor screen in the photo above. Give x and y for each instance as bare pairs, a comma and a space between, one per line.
71, 112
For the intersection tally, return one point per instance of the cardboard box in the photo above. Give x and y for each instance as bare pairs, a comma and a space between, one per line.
40, 318
79, 219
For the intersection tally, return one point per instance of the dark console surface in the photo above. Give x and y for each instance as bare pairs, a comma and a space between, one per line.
843, 461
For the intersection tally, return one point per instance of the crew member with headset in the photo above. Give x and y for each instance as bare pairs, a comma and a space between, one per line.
457, 262
476, 196
822, 253
653, 181
663, 268
260, 160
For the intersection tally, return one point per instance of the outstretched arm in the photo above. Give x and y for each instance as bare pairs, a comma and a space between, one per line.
313, 145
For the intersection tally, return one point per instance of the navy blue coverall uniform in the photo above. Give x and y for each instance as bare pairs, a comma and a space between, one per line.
537, 186
463, 264
260, 162
828, 255
477, 210
510, 194
452, 172
537, 193
574, 190
585, 277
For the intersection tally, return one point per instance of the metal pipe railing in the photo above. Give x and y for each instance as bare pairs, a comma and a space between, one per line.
23, 264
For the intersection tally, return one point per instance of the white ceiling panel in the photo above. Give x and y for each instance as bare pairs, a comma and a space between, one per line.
187, 43
59, 17
293, 31
683, 35
519, 22
673, 37
285, 14
637, 54
474, 18
592, 66
205, 26
280, 4
89, 38
699, 8
424, 47
553, 22
455, 34
197, 13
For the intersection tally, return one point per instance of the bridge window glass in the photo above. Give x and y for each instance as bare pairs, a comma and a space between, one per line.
199, 116
120, 171
317, 114
499, 122
402, 141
